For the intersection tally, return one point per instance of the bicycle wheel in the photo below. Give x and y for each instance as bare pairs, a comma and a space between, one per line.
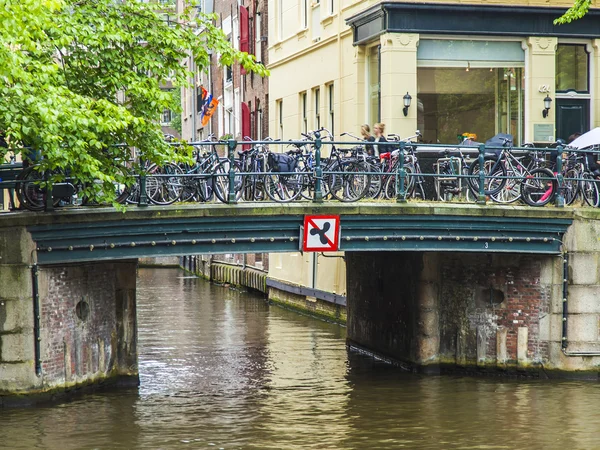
539, 187
29, 193
283, 188
571, 187
220, 181
491, 185
350, 183
589, 189
510, 191
164, 190
390, 187
417, 191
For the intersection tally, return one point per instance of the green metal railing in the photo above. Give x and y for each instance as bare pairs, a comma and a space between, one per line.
319, 170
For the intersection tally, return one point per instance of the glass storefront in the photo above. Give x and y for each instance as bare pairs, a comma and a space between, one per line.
473, 87
481, 101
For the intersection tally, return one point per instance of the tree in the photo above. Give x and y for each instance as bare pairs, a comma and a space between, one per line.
579, 9
78, 77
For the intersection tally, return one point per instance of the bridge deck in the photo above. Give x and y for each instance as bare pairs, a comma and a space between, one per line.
82, 234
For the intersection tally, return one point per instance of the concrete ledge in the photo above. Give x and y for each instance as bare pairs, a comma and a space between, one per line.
85, 215
58, 394
308, 305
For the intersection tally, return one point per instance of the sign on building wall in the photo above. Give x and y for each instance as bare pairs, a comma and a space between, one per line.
543, 132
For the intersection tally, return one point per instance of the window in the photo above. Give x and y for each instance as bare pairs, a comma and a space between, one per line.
317, 95
259, 121
228, 74
258, 37
572, 68
280, 20
304, 14
166, 117
469, 86
373, 85
331, 109
279, 109
304, 111
480, 100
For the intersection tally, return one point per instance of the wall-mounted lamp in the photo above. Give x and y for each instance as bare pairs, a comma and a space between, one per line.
407, 98
547, 104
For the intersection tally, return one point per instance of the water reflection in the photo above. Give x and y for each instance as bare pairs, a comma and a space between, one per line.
220, 369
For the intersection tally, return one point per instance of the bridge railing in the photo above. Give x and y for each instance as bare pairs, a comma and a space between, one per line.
327, 169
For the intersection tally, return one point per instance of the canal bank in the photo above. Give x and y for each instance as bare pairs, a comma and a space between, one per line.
314, 302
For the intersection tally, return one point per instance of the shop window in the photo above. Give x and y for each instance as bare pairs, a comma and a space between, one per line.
572, 68
479, 100
373, 85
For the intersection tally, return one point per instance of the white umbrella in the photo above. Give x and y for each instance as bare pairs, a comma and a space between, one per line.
589, 139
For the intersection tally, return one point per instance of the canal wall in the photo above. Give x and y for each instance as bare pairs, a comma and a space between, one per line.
481, 313
63, 328
314, 302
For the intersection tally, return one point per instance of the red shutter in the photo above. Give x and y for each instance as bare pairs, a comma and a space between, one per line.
244, 34
245, 124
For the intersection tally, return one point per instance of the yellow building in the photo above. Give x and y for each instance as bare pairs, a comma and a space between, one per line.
483, 67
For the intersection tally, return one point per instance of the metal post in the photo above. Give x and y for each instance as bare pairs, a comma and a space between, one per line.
143, 200
318, 198
401, 177
560, 195
481, 196
231, 145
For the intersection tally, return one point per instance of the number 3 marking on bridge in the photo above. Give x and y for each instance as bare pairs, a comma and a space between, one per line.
485, 245
321, 234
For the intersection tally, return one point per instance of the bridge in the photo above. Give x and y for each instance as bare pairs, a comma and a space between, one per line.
92, 234
457, 285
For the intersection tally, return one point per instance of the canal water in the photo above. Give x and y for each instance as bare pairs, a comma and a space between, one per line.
222, 369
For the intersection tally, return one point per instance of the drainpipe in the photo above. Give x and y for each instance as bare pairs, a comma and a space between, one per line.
36, 319
565, 311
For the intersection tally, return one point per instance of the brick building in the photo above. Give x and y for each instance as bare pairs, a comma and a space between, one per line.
243, 97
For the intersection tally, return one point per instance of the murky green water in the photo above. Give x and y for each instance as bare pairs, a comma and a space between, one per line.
221, 369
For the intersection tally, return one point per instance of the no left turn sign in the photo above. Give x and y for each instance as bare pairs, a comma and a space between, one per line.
321, 234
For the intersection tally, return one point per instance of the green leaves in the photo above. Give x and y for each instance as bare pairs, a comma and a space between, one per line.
79, 77
575, 12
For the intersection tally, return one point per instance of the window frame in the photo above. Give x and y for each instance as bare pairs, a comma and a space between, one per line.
588, 77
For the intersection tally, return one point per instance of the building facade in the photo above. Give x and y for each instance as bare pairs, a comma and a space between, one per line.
243, 97
480, 67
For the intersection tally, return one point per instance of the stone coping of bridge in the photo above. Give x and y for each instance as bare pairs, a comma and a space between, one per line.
95, 214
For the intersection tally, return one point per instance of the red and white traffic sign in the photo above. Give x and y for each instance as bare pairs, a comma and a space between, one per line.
321, 234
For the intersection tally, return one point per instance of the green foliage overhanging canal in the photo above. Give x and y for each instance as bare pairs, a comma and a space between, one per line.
78, 77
